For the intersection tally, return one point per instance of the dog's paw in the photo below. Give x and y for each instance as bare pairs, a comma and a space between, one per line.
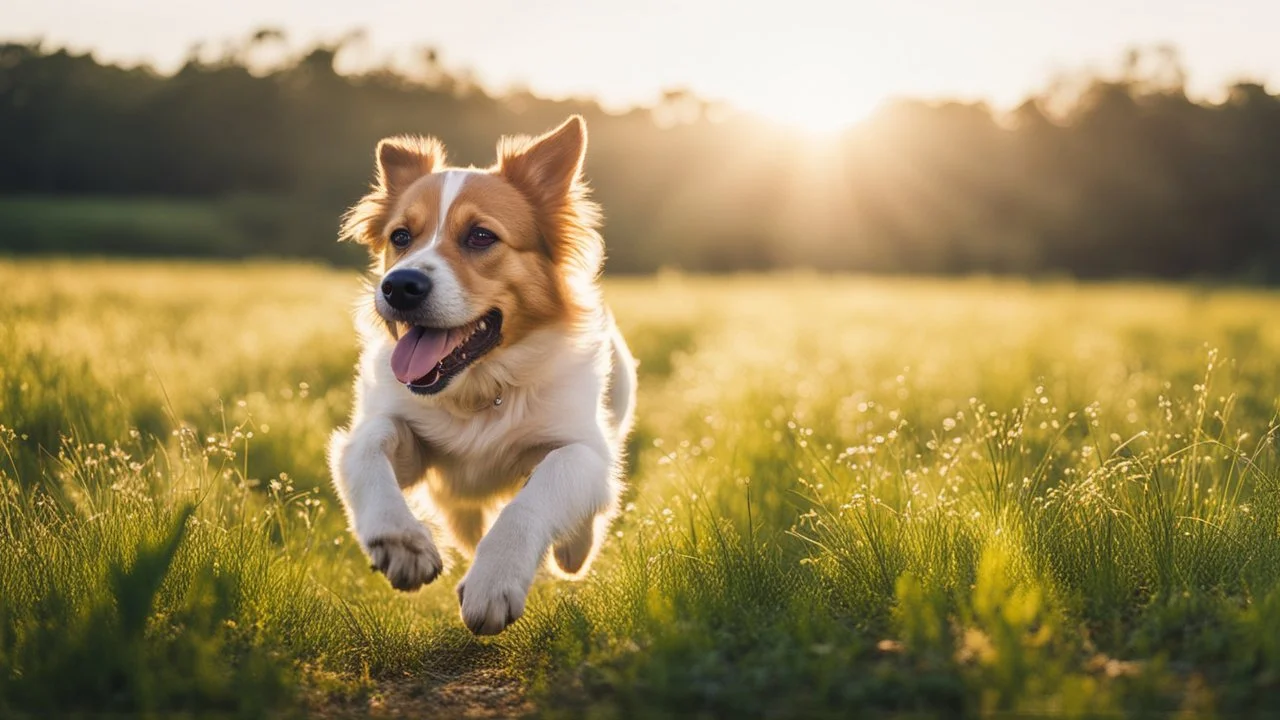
491, 597
409, 559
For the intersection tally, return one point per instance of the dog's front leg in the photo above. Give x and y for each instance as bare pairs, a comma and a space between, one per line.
568, 488
369, 466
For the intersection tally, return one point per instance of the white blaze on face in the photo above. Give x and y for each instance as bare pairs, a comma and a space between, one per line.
446, 306
449, 189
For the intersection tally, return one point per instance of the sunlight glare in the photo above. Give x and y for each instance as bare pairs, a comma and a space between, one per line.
816, 80
816, 111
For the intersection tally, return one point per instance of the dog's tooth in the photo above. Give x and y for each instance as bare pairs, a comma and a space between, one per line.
481, 326
464, 356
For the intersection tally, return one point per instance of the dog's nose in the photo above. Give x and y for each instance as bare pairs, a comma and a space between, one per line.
405, 289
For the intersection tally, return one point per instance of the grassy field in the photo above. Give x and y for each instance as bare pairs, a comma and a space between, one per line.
846, 496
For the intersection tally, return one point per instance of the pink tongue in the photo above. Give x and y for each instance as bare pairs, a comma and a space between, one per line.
417, 352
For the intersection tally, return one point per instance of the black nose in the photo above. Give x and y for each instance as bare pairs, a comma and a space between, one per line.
405, 289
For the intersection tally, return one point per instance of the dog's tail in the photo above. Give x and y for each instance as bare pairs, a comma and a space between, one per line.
622, 384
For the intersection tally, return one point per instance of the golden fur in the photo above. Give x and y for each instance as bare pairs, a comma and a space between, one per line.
533, 197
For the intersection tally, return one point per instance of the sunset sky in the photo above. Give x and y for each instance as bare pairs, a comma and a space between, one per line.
816, 63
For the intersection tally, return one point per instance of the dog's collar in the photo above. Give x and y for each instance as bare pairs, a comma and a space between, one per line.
497, 403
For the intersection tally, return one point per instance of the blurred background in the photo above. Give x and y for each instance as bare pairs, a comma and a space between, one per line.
1087, 138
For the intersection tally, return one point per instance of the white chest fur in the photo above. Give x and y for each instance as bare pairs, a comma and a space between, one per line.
552, 395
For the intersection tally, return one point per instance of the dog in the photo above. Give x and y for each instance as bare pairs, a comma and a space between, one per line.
491, 372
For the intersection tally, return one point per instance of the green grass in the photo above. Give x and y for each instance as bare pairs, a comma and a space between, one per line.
846, 496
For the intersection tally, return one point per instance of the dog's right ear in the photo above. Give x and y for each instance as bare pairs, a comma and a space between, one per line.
405, 158
399, 161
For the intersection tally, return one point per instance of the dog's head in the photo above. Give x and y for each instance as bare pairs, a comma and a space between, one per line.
469, 263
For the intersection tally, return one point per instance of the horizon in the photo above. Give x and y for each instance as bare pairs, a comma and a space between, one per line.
823, 71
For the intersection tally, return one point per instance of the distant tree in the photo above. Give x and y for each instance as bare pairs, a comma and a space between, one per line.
1101, 174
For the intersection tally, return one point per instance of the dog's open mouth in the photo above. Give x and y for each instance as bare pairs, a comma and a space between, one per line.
426, 359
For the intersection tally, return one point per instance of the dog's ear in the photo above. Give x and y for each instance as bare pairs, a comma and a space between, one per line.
546, 168
405, 158
398, 162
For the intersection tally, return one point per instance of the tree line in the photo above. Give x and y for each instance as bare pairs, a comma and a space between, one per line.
1102, 175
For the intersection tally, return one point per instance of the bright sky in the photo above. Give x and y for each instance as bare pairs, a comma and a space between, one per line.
818, 63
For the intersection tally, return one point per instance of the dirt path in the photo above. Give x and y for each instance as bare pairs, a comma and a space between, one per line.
477, 694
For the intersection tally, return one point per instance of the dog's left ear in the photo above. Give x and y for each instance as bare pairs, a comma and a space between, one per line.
545, 168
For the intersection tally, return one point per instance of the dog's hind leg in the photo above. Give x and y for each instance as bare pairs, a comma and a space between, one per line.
572, 552
466, 526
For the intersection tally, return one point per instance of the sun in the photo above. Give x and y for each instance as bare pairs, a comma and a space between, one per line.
811, 102
820, 116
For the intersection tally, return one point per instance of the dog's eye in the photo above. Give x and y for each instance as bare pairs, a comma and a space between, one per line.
401, 238
479, 238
